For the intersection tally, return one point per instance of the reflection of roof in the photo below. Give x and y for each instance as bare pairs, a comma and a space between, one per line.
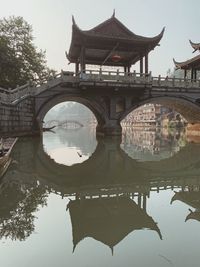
194, 215
107, 220
191, 198
110, 36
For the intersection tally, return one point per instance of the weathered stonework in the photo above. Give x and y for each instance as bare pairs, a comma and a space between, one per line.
18, 119
109, 96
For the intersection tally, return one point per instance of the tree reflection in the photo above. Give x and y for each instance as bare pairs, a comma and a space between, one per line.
18, 205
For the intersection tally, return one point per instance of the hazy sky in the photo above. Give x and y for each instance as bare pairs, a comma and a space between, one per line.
51, 21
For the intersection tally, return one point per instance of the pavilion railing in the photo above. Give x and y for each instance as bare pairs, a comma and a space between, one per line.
156, 83
114, 76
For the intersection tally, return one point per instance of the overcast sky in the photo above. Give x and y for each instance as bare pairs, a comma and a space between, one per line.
52, 21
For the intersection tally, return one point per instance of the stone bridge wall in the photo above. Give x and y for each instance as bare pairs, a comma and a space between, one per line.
109, 97
17, 119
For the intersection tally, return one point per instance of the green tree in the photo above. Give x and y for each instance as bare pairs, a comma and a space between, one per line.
20, 60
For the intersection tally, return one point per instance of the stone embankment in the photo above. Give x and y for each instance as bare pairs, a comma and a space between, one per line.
17, 119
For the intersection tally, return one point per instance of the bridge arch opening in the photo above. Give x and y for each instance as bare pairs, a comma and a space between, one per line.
157, 128
188, 110
73, 140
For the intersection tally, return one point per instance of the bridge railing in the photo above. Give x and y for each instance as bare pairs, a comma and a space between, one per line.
158, 83
29, 89
114, 76
173, 82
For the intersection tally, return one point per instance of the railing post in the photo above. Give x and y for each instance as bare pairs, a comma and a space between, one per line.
117, 74
159, 80
100, 73
17, 94
9, 95
173, 81
149, 77
134, 76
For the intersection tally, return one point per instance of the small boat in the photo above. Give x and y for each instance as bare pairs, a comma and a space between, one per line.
5, 150
46, 129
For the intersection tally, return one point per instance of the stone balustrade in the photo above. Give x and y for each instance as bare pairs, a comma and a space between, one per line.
156, 83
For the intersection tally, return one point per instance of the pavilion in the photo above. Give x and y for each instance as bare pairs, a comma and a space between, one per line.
192, 65
110, 44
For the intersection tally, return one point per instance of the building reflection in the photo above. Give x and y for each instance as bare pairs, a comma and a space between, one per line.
190, 195
152, 144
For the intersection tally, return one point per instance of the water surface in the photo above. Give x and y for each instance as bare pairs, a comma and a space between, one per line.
71, 200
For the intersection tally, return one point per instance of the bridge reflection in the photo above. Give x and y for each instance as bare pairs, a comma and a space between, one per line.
110, 186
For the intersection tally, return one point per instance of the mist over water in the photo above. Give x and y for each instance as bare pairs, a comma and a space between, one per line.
82, 201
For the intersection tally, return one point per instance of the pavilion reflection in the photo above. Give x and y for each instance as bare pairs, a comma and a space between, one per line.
190, 195
108, 220
109, 178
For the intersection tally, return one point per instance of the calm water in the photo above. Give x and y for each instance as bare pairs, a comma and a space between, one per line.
72, 200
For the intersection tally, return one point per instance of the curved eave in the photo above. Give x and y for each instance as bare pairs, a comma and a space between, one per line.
188, 64
178, 65
195, 46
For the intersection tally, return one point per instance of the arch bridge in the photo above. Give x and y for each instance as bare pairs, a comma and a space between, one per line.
110, 95
72, 124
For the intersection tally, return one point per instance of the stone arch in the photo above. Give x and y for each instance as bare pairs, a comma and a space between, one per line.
188, 109
96, 108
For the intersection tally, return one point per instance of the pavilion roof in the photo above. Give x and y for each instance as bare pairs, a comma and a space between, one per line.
196, 46
108, 220
193, 63
109, 38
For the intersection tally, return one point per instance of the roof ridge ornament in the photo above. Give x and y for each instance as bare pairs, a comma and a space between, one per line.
113, 15
73, 20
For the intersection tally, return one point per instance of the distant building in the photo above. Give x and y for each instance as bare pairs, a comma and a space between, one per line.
150, 115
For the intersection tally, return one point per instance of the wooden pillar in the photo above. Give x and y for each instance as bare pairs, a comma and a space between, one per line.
125, 69
139, 200
129, 69
141, 64
77, 68
185, 73
192, 74
144, 202
195, 74
82, 61
146, 64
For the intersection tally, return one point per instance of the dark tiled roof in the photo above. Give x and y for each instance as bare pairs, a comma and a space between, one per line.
188, 64
100, 40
